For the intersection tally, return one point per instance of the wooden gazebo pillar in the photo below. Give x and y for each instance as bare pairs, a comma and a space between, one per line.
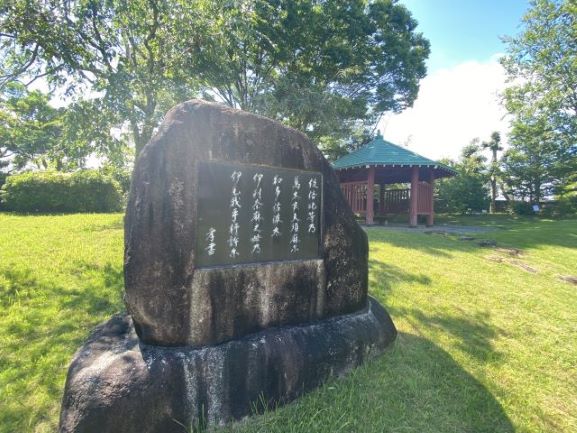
413, 209
431, 216
370, 214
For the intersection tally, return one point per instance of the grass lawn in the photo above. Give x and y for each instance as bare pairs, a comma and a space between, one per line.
487, 336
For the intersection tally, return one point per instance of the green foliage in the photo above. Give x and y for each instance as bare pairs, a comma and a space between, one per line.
562, 208
127, 53
321, 67
49, 191
467, 192
462, 194
3, 177
566, 206
533, 165
35, 134
30, 129
542, 99
541, 61
122, 175
324, 67
521, 208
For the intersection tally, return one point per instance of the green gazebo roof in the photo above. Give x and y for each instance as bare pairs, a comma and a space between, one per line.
380, 152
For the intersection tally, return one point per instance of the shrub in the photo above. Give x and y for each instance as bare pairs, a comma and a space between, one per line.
462, 194
567, 205
564, 206
522, 208
49, 191
121, 175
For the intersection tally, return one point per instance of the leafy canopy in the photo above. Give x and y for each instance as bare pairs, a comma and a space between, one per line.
542, 99
468, 190
30, 130
35, 134
328, 68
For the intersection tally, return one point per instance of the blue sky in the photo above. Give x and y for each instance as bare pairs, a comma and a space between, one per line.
467, 29
459, 100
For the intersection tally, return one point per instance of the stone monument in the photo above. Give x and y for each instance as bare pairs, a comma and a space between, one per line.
245, 281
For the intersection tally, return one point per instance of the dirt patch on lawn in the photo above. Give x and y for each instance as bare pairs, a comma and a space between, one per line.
571, 279
510, 256
511, 252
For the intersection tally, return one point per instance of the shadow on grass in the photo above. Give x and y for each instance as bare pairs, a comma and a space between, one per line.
383, 276
415, 387
475, 334
519, 233
437, 392
434, 244
43, 324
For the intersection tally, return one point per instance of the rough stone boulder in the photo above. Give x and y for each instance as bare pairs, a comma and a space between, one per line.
245, 281
172, 300
118, 385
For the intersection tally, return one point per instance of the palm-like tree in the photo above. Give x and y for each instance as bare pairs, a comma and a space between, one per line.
495, 146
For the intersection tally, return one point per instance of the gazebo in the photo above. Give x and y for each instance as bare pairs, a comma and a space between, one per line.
380, 163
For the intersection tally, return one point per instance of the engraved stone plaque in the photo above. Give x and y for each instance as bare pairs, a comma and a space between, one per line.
251, 213
236, 223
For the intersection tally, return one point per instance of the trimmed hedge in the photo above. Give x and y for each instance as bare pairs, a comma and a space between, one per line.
50, 191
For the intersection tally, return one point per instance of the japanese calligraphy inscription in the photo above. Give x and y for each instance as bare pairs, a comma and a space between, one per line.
250, 213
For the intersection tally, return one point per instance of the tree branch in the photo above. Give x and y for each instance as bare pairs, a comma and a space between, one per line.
9, 77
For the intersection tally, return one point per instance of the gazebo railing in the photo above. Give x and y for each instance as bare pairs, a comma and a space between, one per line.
391, 201
395, 201
356, 195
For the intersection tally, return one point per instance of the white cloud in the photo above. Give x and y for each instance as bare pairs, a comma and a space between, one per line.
454, 106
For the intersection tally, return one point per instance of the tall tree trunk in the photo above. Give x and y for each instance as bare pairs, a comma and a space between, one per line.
142, 135
493, 206
504, 192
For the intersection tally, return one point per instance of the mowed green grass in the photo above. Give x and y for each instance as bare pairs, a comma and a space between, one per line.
487, 337
59, 277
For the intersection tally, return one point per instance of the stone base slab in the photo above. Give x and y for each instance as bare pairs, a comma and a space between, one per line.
117, 384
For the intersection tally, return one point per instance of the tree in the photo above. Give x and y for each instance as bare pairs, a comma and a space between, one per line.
542, 98
123, 53
324, 67
467, 191
319, 66
30, 130
35, 134
535, 164
494, 145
